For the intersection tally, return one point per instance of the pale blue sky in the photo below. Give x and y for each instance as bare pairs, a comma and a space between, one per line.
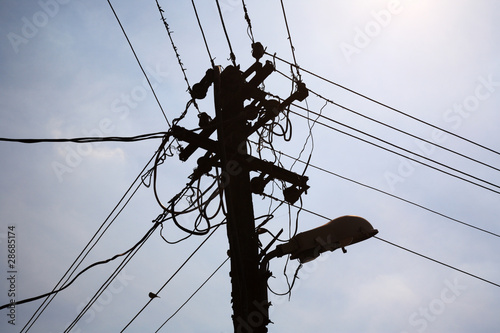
67, 71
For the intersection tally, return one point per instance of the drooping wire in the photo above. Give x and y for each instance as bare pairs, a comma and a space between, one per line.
203, 34
291, 43
192, 295
384, 105
405, 132
31, 299
395, 128
437, 261
83, 254
157, 135
406, 249
171, 277
231, 53
181, 65
106, 284
392, 195
398, 147
309, 136
249, 22
405, 156
138, 62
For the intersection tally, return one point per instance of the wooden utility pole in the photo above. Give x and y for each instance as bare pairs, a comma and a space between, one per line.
234, 123
249, 291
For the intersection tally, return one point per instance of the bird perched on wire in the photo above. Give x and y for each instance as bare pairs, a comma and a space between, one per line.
153, 295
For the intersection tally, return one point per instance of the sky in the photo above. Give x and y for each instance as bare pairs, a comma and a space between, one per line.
66, 71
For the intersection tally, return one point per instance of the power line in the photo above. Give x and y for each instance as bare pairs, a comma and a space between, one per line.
169, 33
139, 63
231, 54
437, 261
402, 155
402, 131
50, 298
392, 195
274, 56
105, 285
290, 40
31, 299
404, 248
386, 125
192, 295
249, 22
142, 137
203, 34
171, 277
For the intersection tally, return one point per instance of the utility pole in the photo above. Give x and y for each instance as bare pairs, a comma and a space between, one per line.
249, 293
234, 123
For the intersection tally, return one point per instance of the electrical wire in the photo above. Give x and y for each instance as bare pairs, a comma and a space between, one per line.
274, 56
138, 62
31, 299
406, 133
192, 295
172, 276
290, 40
249, 22
181, 65
395, 128
405, 156
437, 261
104, 286
406, 249
203, 34
393, 196
51, 297
83, 254
157, 135
231, 53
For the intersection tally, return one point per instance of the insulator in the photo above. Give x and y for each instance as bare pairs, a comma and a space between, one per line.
292, 194
257, 50
199, 90
204, 119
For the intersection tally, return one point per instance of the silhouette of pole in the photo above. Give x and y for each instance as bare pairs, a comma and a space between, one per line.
249, 287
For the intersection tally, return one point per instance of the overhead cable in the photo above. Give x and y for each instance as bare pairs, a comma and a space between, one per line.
203, 34
274, 56
393, 127
405, 156
172, 276
157, 135
405, 132
181, 65
249, 22
86, 250
106, 284
231, 53
392, 195
406, 249
139, 63
290, 40
192, 295
31, 299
